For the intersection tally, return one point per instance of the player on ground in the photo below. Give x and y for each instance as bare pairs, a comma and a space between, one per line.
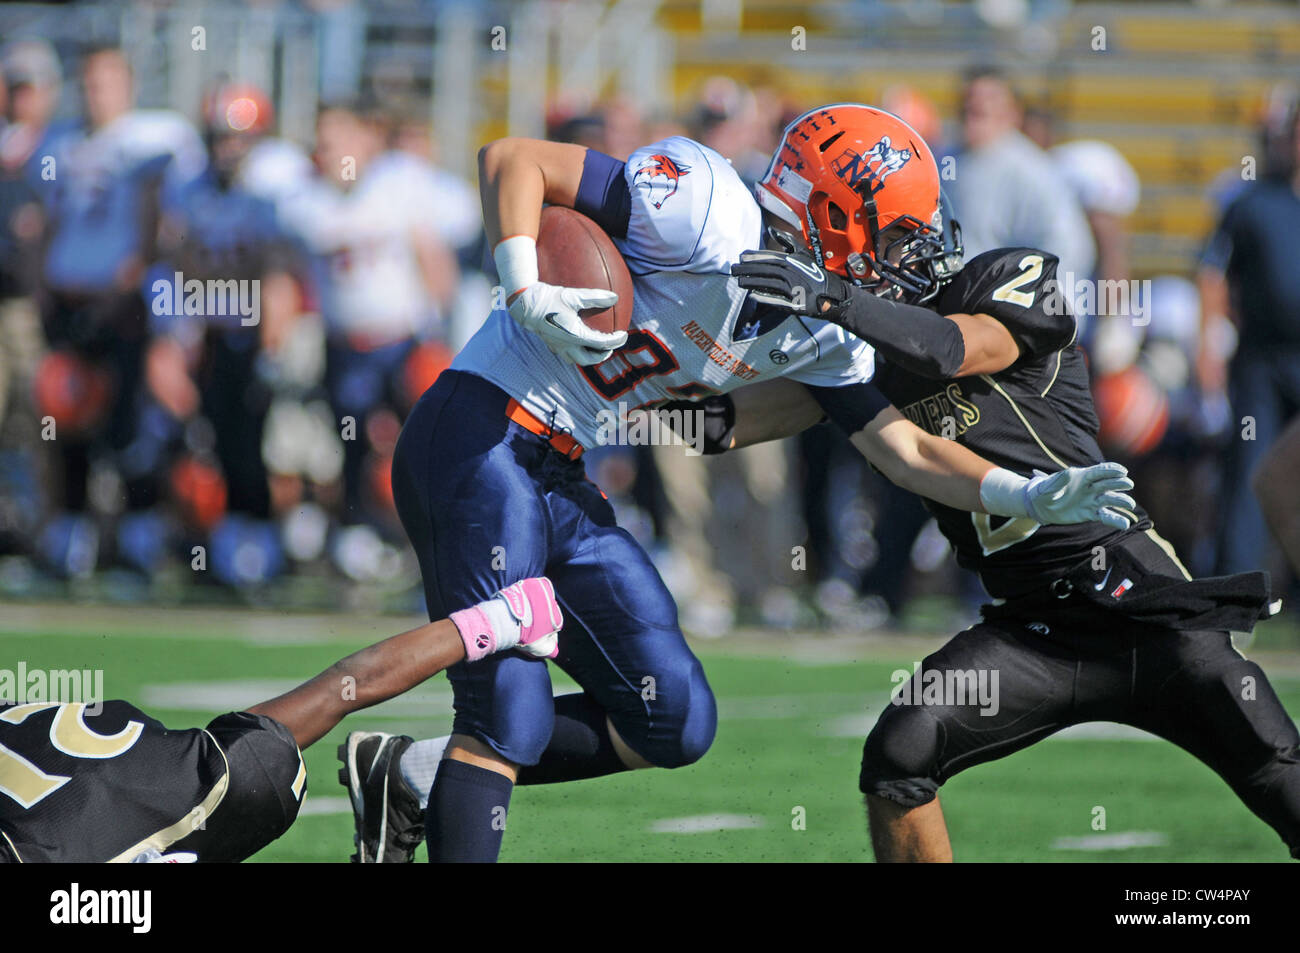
1090, 622
489, 484
109, 783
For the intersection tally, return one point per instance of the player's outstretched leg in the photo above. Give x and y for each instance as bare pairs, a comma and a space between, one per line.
1000, 688
1196, 690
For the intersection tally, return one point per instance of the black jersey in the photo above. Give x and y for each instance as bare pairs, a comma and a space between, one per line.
86, 785
1036, 414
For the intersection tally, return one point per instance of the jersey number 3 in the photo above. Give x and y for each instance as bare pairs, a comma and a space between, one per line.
1031, 268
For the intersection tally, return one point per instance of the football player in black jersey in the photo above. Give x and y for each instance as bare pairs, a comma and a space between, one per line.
107, 783
1090, 622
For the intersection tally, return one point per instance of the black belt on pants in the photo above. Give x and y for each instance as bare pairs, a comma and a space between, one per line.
1138, 579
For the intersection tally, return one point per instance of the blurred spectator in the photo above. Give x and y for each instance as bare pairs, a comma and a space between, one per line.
915, 109
214, 229
459, 224
1274, 484
614, 127
1006, 191
1107, 189
32, 78
1248, 273
727, 117
1273, 139
109, 174
380, 228
1154, 420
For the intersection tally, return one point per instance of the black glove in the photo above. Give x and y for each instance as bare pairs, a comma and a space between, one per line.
915, 338
793, 282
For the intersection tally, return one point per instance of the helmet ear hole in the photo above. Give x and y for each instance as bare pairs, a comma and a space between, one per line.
836, 216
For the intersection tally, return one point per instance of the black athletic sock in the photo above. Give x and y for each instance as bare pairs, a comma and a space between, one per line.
580, 746
466, 817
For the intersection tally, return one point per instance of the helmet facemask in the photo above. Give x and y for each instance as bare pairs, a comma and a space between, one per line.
913, 260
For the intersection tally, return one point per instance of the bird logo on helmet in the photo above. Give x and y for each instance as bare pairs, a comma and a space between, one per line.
861, 188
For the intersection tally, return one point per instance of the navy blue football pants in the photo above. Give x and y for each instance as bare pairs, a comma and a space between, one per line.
486, 503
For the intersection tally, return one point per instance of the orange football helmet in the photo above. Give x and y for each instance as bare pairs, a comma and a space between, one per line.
862, 188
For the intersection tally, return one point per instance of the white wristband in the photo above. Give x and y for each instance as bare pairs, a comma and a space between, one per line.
1003, 493
516, 261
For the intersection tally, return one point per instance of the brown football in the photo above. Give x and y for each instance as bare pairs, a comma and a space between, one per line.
573, 252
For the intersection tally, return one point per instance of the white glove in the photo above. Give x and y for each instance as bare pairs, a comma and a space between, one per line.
1074, 495
551, 312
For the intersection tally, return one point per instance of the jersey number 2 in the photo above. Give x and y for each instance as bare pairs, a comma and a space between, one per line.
997, 538
1031, 267
28, 784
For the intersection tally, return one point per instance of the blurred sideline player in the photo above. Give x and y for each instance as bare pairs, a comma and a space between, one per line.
1089, 622
116, 786
384, 275
1006, 190
490, 486
216, 229
113, 170
1274, 485
1247, 275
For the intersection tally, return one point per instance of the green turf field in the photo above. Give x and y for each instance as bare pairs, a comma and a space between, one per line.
793, 713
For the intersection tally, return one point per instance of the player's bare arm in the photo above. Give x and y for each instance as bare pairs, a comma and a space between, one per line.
516, 176
524, 616
926, 464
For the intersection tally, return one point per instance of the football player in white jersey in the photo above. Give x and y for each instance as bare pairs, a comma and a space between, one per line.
490, 486
380, 264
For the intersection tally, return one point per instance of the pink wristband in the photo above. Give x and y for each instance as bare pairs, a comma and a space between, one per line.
475, 631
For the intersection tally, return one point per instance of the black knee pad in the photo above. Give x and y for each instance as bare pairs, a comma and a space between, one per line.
900, 759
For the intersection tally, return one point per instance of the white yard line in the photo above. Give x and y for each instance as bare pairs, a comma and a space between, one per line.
241, 694
705, 823
325, 804
1120, 840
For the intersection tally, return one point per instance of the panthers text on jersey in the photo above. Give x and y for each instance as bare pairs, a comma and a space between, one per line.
1036, 414
680, 216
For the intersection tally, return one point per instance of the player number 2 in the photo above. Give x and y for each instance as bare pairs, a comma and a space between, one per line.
1031, 267
28, 784
996, 538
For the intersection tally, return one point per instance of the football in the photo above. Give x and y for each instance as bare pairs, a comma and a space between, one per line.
573, 252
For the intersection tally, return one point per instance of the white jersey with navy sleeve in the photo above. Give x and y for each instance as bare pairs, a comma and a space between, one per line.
680, 216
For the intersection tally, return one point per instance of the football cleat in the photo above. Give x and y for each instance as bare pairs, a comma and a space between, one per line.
387, 813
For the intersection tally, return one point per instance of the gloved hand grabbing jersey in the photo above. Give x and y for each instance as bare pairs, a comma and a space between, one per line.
793, 282
523, 616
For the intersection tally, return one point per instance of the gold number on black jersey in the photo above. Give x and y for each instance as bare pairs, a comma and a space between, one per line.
25, 782
1031, 267
996, 538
